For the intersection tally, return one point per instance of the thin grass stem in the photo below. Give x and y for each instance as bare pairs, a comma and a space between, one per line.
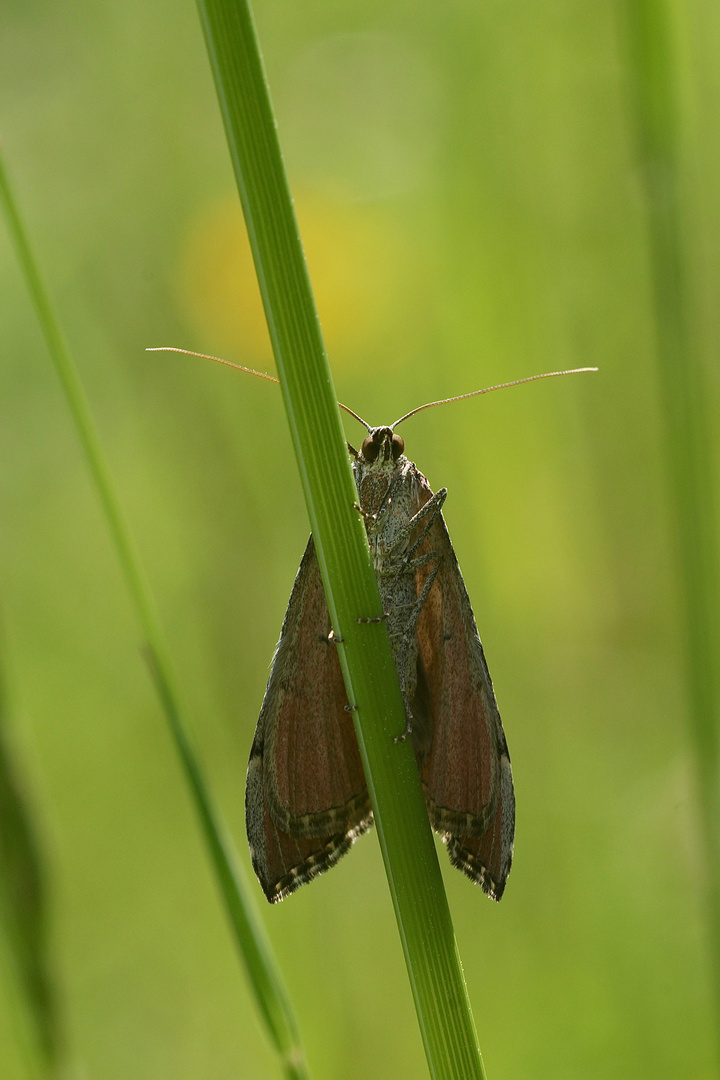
687, 401
271, 996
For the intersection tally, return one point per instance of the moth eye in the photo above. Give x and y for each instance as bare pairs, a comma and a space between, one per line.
369, 449
398, 447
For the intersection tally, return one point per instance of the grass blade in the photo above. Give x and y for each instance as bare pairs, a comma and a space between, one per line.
686, 393
23, 901
263, 973
419, 899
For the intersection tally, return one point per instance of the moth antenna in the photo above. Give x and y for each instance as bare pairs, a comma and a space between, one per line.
247, 370
355, 415
217, 359
499, 386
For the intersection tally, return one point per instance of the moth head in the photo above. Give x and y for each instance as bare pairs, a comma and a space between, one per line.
382, 445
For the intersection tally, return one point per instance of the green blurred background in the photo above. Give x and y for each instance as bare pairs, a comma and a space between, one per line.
465, 177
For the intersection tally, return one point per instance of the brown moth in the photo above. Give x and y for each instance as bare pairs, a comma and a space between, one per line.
306, 799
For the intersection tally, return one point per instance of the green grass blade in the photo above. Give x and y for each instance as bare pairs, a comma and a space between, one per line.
687, 394
23, 902
264, 975
421, 908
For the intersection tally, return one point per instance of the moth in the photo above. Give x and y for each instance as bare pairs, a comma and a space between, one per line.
306, 799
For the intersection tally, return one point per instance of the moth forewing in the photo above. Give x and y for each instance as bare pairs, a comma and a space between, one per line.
306, 799
282, 862
487, 857
467, 775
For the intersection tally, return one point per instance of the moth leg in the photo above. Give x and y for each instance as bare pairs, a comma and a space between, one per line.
409, 564
411, 627
408, 721
376, 618
364, 513
413, 607
430, 511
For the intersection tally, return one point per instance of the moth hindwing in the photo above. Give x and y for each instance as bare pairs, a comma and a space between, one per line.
306, 797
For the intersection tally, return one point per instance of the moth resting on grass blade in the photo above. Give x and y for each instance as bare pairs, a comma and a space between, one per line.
306, 799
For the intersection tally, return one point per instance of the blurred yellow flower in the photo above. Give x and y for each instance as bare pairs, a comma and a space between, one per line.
360, 267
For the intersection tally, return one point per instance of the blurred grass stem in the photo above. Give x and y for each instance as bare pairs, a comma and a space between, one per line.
24, 913
264, 975
687, 401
